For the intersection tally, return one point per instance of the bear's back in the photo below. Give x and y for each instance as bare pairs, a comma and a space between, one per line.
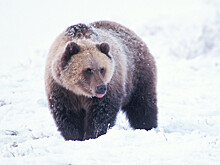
127, 38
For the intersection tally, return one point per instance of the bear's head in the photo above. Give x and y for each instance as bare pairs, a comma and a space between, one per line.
85, 68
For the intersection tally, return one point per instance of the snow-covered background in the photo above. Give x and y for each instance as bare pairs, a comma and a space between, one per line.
183, 36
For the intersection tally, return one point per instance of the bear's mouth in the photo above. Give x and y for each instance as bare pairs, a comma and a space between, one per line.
100, 95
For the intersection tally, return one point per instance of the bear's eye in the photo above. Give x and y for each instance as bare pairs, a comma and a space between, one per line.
102, 71
89, 71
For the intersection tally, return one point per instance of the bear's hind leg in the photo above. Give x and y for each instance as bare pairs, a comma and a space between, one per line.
142, 108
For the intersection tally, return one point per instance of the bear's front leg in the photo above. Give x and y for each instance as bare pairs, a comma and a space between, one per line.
102, 116
67, 119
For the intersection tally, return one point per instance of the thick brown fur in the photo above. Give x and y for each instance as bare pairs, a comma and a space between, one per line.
101, 54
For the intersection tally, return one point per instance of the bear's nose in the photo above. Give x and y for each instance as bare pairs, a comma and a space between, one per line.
101, 89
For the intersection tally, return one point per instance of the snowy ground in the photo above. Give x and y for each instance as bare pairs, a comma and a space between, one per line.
183, 36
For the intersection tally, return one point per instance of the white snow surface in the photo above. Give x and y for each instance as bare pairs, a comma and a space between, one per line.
184, 38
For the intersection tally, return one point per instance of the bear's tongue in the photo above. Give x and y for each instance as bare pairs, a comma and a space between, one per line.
100, 95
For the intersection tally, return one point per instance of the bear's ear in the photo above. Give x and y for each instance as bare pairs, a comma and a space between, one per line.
104, 48
71, 49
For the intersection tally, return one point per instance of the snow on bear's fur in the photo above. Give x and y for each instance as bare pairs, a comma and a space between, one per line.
94, 70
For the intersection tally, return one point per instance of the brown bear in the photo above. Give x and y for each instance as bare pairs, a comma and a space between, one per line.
93, 71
